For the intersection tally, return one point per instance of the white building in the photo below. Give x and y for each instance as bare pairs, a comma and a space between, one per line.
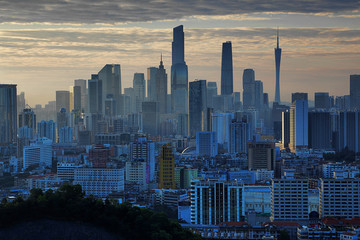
66, 171
216, 202
289, 200
340, 197
135, 171
39, 152
99, 182
264, 174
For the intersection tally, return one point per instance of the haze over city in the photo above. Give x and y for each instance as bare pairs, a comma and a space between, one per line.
47, 46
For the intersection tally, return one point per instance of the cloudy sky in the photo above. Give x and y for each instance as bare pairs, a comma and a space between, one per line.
45, 45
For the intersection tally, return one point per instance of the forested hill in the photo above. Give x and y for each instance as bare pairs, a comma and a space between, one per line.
72, 216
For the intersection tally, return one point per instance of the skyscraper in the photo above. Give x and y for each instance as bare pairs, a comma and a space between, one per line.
277, 67
179, 74
261, 155
355, 92
139, 90
95, 94
197, 106
226, 69
298, 125
110, 75
151, 118
167, 168
320, 130
161, 88
151, 83
322, 100
248, 89
62, 100
8, 113
211, 92
259, 95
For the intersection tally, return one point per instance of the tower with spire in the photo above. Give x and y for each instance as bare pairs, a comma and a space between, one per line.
161, 87
277, 67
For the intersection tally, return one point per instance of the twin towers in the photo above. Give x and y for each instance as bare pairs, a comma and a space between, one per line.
227, 69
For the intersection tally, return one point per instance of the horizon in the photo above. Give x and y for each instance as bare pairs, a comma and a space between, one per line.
319, 41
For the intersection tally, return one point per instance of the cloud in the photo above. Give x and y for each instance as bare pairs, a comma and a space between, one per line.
109, 11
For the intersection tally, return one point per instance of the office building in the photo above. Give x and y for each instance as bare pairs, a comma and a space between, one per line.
77, 98
83, 89
197, 106
206, 144
139, 91
221, 125
62, 100
184, 176
299, 96
322, 100
261, 155
20, 103
339, 198
136, 172
151, 118
239, 137
289, 200
320, 133
27, 118
167, 167
151, 83
226, 69
285, 128
47, 129
348, 131
110, 75
217, 202
298, 125
99, 182
144, 150
161, 88
355, 92
277, 51
179, 74
95, 94
259, 95
8, 113
248, 89
211, 93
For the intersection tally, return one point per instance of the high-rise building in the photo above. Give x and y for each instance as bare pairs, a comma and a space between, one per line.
27, 118
277, 68
63, 118
99, 156
197, 106
285, 128
259, 95
161, 88
84, 100
167, 167
47, 129
213, 203
261, 155
289, 200
179, 73
226, 69
348, 131
299, 96
221, 125
77, 98
95, 94
38, 153
8, 113
151, 118
66, 135
20, 103
322, 100
62, 100
206, 144
211, 92
320, 131
151, 83
298, 125
239, 137
144, 150
136, 172
110, 75
355, 92
248, 89
139, 90
339, 198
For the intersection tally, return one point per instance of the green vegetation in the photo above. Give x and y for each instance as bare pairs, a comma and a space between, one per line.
69, 204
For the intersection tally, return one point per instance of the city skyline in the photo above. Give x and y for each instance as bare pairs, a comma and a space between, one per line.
319, 42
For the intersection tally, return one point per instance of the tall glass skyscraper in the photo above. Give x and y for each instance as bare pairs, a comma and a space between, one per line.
277, 66
226, 69
110, 75
179, 74
8, 112
197, 106
249, 89
161, 88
